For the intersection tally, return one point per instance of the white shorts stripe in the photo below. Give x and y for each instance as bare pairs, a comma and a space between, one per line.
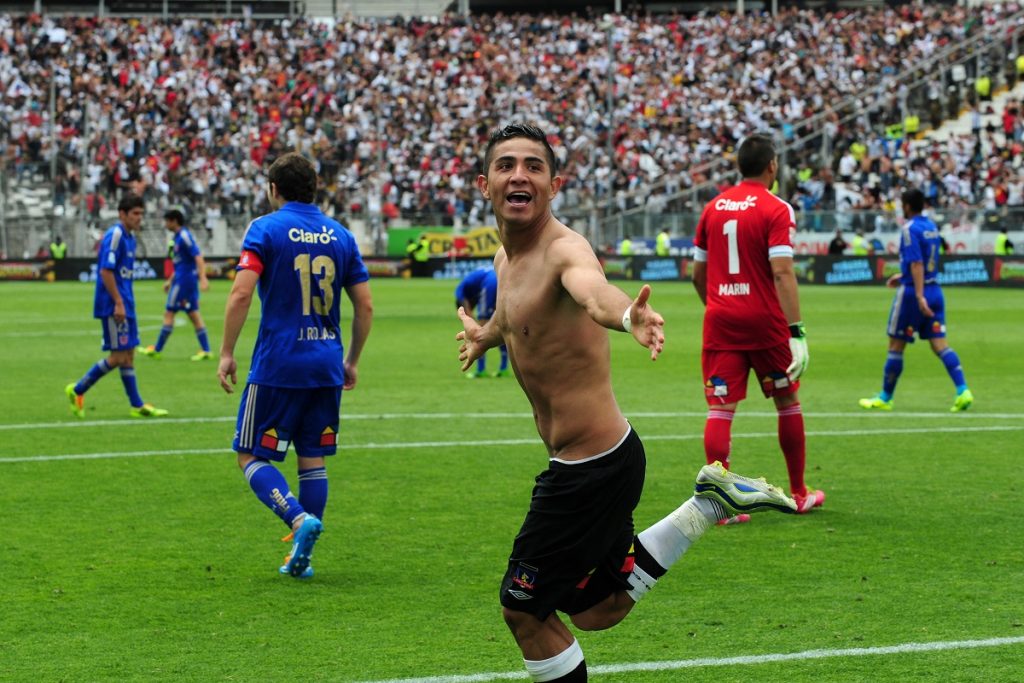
245, 434
895, 315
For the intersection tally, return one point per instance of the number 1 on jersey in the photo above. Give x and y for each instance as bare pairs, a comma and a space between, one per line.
323, 268
729, 230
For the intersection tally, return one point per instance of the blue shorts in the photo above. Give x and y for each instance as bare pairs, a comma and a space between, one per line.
123, 337
183, 297
271, 418
905, 318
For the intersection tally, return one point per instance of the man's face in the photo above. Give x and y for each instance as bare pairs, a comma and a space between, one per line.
132, 219
171, 225
519, 181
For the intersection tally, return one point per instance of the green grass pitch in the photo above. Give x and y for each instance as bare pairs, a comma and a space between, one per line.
134, 550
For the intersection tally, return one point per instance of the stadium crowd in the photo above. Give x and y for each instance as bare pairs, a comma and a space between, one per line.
187, 111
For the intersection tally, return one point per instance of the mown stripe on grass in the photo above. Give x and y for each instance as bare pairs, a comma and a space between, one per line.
904, 648
397, 445
359, 417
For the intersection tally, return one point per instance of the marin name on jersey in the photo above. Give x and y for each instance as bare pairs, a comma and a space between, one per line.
734, 289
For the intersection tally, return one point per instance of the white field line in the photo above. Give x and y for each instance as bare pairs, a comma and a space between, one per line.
68, 333
904, 648
346, 417
397, 445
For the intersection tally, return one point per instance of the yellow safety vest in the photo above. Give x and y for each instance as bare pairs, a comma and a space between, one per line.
58, 251
983, 86
626, 247
663, 245
911, 124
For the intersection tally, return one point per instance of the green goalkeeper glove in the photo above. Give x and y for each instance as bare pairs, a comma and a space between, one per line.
797, 347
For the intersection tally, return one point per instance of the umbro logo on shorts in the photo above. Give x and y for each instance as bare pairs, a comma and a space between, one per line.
520, 595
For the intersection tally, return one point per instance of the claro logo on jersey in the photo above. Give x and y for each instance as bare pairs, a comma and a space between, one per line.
733, 205
307, 237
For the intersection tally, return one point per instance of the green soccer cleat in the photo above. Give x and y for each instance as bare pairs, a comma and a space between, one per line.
147, 410
875, 403
149, 351
475, 375
963, 401
739, 494
202, 355
502, 373
77, 401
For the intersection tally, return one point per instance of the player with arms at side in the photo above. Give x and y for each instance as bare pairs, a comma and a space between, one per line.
743, 273
183, 287
300, 260
576, 551
479, 291
114, 305
918, 306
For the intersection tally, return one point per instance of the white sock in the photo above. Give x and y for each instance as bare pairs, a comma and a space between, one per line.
669, 538
565, 662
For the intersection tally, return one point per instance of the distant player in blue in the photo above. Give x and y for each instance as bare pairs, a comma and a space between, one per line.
183, 287
918, 307
300, 260
114, 306
478, 292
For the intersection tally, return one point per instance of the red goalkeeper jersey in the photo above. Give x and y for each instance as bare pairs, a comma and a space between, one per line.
739, 231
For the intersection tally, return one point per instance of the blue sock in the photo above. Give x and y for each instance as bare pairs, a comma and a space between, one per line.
313, 491
204, 341
131, 387
504, 358
891, 374
94, 375
271, 488
481, 364
956, 373
165, 332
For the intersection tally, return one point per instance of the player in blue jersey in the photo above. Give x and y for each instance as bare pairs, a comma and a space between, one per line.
300, 261
918, 307
114, 305
479, 291
183, 287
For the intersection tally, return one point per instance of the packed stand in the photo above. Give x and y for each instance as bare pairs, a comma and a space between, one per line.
188, 112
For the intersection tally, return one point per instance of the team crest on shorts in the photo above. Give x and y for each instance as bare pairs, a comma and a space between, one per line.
328, 437
271, 440
525, 576
775, 380
717, 387
938, 328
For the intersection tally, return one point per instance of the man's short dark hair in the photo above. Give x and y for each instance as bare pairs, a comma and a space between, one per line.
295, 178
520, 130
914, 199
175, 215
754, 155
129, 201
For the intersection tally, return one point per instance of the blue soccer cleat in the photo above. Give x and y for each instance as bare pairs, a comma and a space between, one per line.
305, 538
306, 574
739, 494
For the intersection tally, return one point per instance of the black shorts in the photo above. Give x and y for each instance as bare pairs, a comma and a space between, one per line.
573, 550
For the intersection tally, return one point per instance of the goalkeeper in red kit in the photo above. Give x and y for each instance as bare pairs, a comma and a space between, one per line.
743, 273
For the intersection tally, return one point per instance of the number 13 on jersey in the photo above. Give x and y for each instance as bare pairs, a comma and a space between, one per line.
322, 269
